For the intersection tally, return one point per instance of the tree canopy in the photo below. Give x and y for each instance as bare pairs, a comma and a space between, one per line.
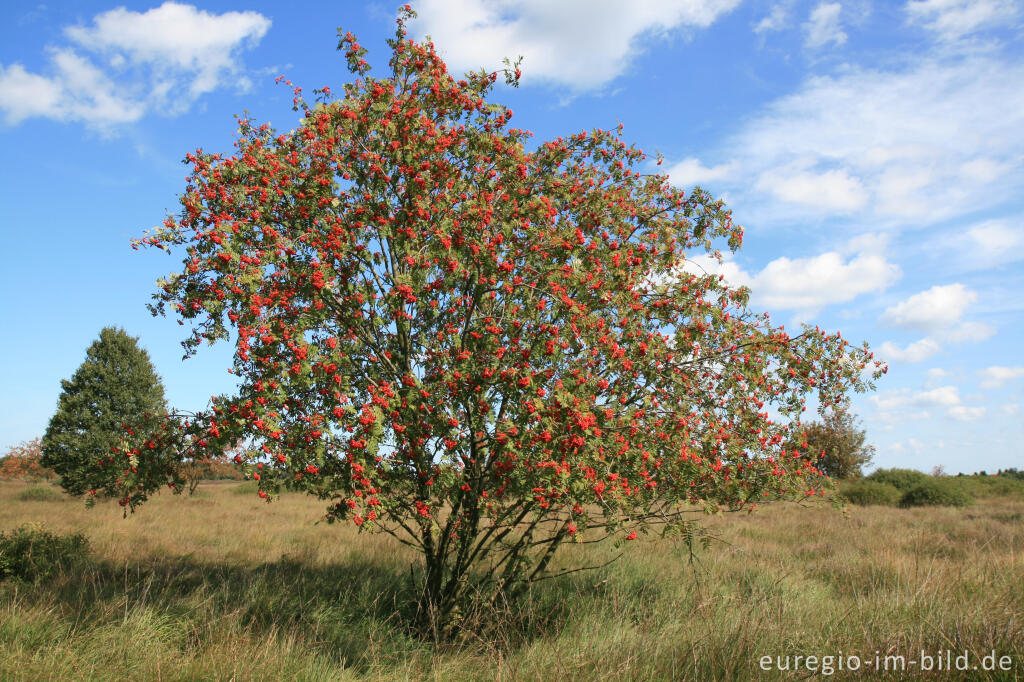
841, 446
480, 344
114, 397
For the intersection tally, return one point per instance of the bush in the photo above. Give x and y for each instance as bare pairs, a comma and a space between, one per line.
39, 493
987, 486
32, 554
870, 492
901, 479
935, 493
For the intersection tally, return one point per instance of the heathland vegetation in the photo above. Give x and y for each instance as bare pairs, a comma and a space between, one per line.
220, 586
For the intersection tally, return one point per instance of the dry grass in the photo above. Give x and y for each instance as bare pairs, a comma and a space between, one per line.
223, 586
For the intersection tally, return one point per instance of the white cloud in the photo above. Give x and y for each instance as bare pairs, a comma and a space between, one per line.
78, 91
898, 404
809, 284
943, 396
953, 19
988, 244
192, 47
834, 190
774, 21
964, 413
582, 44
967, 332
937, 308
914, 352
691, 171
910, 146
24, 95
823, 26
159, 60
996, 376
912, 445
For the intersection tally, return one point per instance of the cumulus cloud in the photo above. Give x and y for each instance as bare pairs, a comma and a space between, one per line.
833, 190
128, 63
917, 351
691, 171
901, 404
943, 396
581, 44
937, 308
182, 43
996, 376
809, 284
953, 19
24, 95
823, 26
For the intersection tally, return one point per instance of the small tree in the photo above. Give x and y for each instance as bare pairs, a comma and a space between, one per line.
113, 403
485, 351
24, 461
839, 444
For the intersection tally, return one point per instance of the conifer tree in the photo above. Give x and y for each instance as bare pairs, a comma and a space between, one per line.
115, 386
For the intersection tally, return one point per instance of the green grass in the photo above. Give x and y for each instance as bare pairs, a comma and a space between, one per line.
224, 586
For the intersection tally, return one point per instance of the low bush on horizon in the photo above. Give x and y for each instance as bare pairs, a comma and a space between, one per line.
901, 479
936, 492
865, 492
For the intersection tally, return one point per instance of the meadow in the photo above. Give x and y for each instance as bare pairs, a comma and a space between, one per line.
224, 586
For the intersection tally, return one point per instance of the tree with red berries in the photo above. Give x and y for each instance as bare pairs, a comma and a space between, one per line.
487, 348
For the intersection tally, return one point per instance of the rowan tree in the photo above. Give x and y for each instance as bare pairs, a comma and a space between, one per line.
114, 400
483, 346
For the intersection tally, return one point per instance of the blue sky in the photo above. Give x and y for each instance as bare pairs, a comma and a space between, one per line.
874, 152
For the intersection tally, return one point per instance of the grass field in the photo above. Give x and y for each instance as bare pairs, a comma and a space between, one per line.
223, 586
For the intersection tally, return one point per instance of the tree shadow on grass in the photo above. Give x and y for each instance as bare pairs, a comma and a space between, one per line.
356, 611
351, 611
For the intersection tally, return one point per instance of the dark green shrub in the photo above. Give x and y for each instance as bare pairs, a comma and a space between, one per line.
866, 492
902, 479
39, 493
935, 492
32, 554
